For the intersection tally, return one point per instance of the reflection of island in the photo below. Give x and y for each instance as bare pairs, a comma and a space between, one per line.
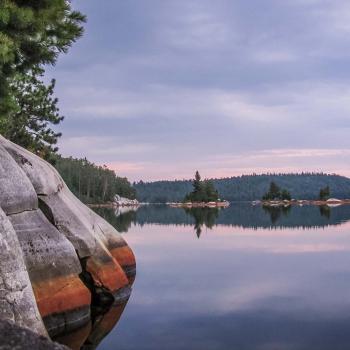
325, 211
237, 215
120, 217
276, 212
203, 217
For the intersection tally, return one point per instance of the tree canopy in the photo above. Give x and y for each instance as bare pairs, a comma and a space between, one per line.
32, 35
247, 187
91, 183
203, 191
325, 193
276, 193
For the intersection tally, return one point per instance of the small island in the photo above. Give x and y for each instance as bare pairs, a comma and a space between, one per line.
203, 195
276, 197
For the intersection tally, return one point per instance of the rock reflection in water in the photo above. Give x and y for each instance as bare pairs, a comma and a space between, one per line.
103, 320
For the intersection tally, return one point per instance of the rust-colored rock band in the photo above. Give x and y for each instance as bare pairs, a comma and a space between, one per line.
61, 294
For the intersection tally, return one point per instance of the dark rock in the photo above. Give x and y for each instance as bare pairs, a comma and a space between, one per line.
14, 337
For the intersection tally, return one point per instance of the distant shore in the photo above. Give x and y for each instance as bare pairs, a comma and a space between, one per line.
112, 205
223, 204
332, 202
276, 203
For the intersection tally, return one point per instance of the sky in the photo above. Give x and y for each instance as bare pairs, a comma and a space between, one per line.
157, 89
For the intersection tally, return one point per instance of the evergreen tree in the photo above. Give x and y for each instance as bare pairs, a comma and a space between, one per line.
32, 34
203, 191
275, 193
36, 108
92, 183
325, 193
211, 194
248, 187
197, 186
285, 195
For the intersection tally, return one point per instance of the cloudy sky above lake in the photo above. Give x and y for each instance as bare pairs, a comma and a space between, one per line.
159, 88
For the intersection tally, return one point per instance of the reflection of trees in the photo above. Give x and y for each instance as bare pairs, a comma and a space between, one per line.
121, 220
325, 211
124, 220
238, 215
276, 212
203, 217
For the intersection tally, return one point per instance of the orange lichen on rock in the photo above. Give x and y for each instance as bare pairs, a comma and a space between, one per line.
123, 255
61, 294
106, 273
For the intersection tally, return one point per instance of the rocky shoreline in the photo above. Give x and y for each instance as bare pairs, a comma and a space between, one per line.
329, 202
59, 258
223, 204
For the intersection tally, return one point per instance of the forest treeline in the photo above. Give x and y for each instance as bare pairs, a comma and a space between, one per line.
248, 187
92, 183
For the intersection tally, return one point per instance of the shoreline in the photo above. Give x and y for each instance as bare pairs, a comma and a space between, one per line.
113, 205
316, 202
224, 204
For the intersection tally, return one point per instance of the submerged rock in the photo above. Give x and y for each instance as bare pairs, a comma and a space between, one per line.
71, 255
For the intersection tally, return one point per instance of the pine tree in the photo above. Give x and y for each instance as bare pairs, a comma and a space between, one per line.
197, 186
32, 34
325, 193
203, 191
36, 108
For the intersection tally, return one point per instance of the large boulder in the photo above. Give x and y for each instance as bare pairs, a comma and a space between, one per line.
17, 302
51, 261
107, 257
17, 193
54, 268
70, 254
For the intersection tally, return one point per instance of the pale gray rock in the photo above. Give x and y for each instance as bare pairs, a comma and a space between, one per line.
41, 174
125, 202
57, 240
17, 301
82, 226
48, 254
16, 191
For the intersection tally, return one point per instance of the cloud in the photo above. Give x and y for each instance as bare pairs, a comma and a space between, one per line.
193, 81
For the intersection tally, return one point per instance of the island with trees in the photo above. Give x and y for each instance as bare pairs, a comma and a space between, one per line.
203, 194
277, 196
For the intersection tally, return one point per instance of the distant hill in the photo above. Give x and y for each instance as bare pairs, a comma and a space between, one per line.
248, 187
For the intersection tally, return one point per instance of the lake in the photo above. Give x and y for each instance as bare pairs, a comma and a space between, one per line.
244, 277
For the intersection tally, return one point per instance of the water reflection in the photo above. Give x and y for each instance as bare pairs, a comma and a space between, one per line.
325, 211
238, 287
276, 212
203, 217
242, 215
103, 320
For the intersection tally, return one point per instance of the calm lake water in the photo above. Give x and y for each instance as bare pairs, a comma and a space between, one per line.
240, 278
